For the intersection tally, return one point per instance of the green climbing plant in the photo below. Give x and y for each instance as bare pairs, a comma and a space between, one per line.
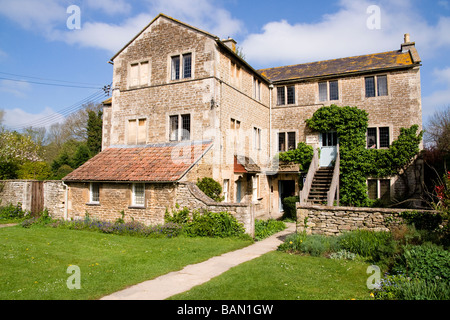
358, 162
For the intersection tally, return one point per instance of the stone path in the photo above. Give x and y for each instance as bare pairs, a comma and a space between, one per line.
176, 282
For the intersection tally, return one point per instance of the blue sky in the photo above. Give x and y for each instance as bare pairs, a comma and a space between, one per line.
36, 45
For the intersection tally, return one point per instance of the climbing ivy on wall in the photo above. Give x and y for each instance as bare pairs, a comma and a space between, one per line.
358, 162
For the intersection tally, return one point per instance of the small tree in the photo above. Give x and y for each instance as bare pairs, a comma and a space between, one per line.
211, 188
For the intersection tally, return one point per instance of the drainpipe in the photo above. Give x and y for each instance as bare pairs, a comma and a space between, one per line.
270, 147
66, 197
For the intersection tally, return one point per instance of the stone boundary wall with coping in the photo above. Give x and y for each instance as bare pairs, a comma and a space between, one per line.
191, 197
336, 220
19, 191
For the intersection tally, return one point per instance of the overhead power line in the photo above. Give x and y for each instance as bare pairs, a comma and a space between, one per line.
46, 120
49, 84
51, 80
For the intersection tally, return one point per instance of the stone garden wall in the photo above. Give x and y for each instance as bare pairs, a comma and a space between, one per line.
336, 220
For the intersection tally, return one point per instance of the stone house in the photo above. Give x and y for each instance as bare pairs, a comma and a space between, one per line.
186, 106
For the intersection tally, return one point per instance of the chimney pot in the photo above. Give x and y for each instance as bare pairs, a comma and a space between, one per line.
407, 40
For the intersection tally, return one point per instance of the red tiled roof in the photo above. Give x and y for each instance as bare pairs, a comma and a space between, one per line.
167, 162
370, 62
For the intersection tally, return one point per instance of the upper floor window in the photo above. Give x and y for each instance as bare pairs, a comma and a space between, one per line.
137, 131
139, 74
376, 86
235, 126
328, 90
286, 141
181, 66
378, 138
180, 127
256, 89
257, 138
235, 73
285, 95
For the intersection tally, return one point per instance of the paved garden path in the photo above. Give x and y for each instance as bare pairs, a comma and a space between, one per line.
193, 275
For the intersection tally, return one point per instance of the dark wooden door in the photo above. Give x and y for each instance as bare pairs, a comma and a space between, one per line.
37, 197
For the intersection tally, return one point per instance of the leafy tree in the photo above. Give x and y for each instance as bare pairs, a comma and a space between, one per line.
94, 131
81, 156
38, 170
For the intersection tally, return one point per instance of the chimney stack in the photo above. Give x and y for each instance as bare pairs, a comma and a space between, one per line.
230, 43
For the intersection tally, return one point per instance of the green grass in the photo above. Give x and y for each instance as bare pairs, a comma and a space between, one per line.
282, 276
34, 261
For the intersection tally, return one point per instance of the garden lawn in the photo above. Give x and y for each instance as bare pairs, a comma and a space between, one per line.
282, 276
34, 261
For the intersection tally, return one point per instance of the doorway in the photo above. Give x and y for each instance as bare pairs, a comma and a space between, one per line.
328, 142
286, 188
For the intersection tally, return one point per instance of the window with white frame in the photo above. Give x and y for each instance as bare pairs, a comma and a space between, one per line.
94, 193
137, 131
181, 66
139, 74
226, 187
255, 188
378, 138
329, 90
257, 138
376, 86
180, 127
138, 194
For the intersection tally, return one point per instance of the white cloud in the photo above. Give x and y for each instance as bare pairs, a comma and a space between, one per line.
345, 33
18, 118
110, 37
40, 15
110, 7
16, 88
204, 14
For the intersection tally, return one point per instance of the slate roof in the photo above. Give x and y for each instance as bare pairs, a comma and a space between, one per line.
357, 64
165, 162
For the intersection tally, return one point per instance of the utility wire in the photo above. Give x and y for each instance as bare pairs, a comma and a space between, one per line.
52, 80
48, 84
99, 95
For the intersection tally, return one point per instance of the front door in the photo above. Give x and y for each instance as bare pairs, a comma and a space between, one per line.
328, 148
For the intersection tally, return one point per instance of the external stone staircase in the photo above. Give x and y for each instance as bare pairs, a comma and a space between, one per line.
320, 185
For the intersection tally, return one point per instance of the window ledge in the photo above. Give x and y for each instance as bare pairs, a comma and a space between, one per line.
136, 207
96, 203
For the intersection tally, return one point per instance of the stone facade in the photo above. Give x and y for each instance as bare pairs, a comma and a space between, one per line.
224, 100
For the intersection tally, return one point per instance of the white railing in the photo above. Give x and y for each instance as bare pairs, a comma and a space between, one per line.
304, 193
334, 188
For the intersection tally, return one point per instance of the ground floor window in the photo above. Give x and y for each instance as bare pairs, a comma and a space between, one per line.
94, 193
379, 189
138, 197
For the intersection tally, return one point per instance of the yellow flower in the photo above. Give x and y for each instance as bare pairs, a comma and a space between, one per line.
372, 295
290, 242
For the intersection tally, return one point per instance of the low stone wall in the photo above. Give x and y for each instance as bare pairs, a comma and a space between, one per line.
335, 220
19, 191
191, 197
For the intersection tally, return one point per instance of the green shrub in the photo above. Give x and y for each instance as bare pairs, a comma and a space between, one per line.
265, 228
12, 212
426, 262
212, 224
401, 287
211, 188
314, 245
369, 244
180, 217
289, 207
